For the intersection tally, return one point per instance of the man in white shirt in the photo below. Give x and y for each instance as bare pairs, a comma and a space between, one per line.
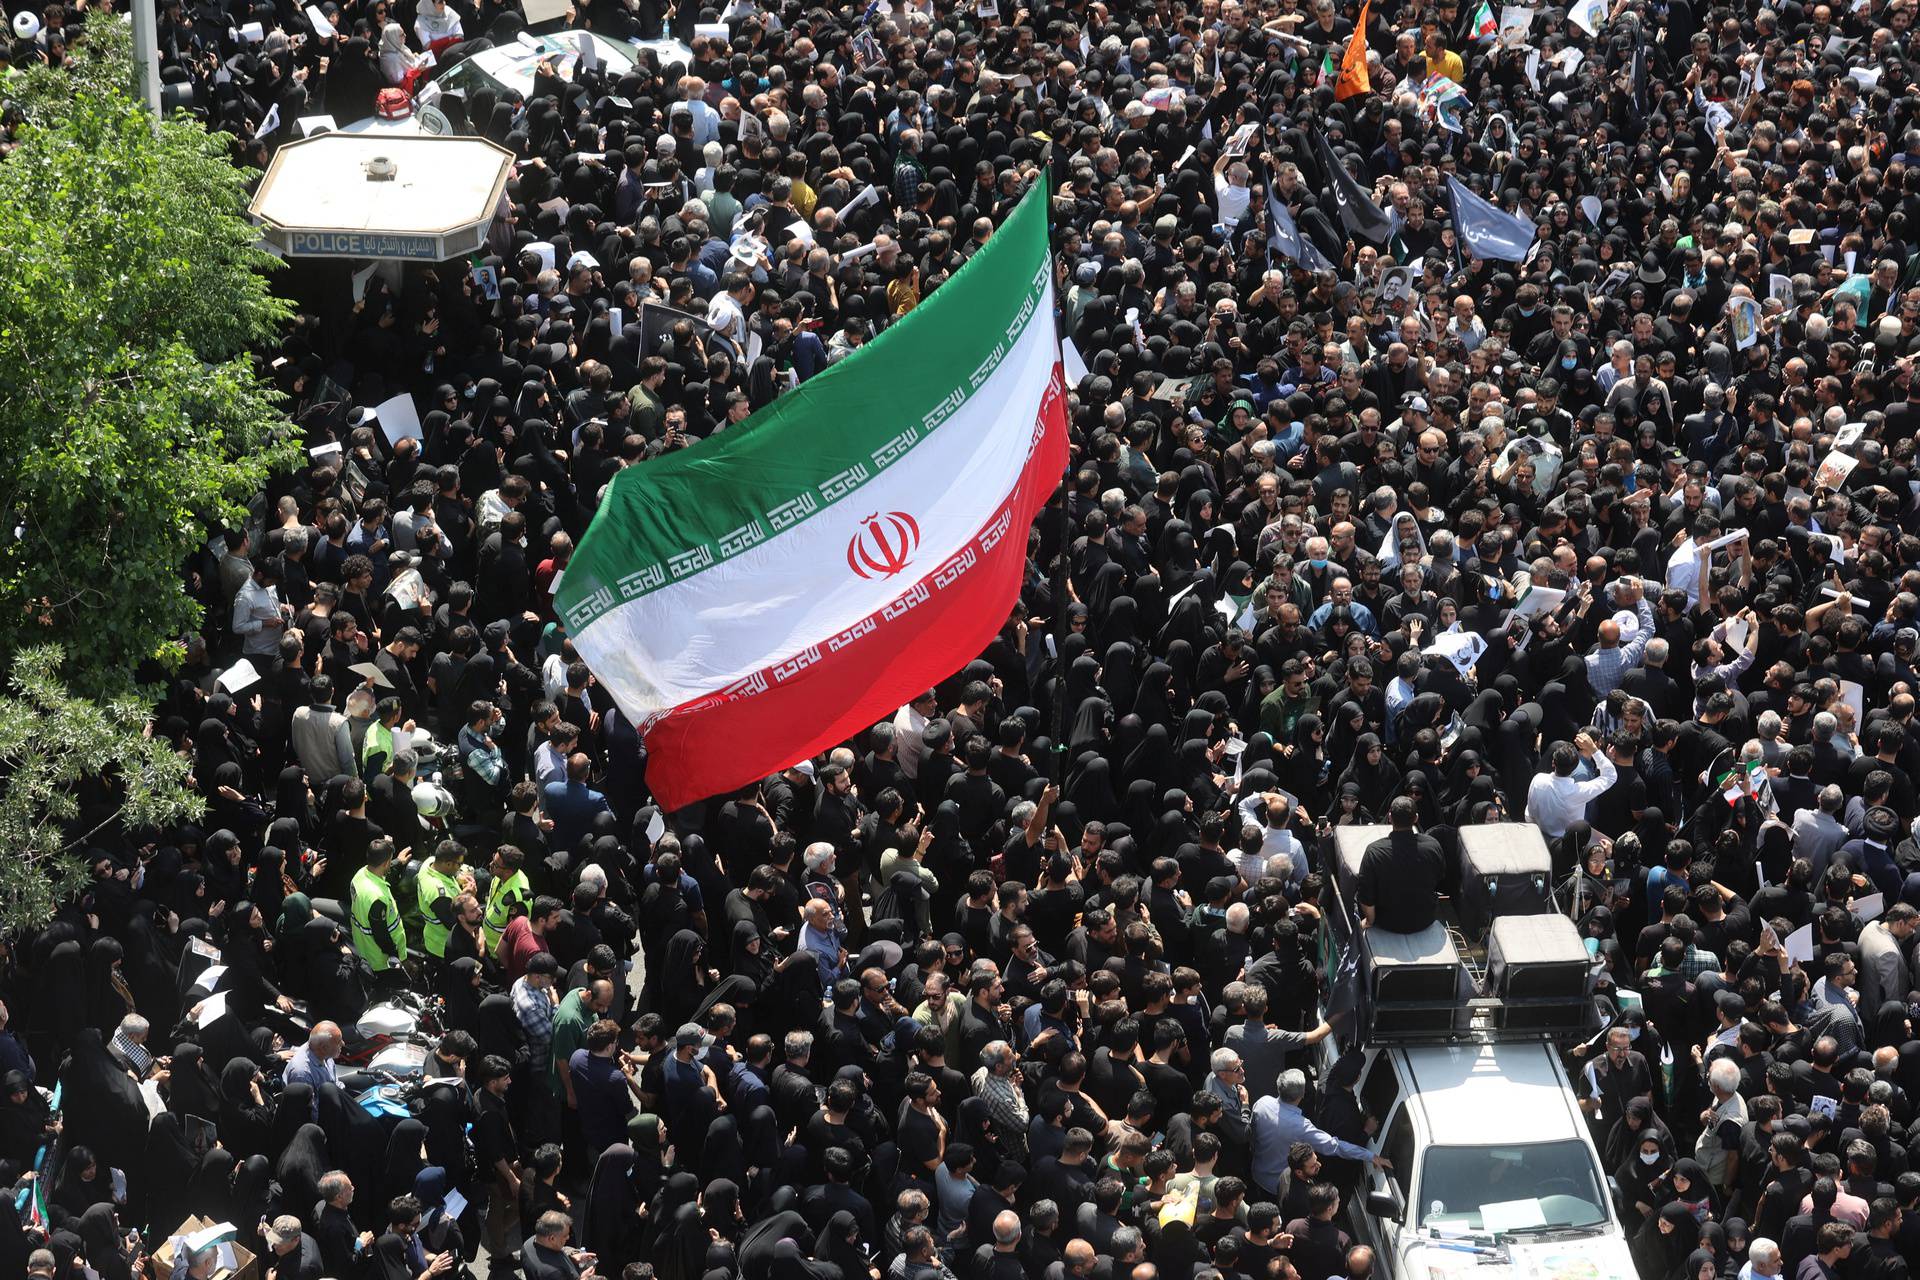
1687, 566
1272, 813
909, 722
1557, 800
726, 313
258, 616
1231, 195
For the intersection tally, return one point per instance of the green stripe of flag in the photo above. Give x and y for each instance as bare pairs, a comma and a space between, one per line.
670, 519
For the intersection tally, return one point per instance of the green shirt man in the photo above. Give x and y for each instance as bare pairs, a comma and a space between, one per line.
579, 1009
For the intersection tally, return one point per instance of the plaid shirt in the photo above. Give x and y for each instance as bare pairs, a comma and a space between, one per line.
1606, 666
1006, 1105
1699, 962
535, 1011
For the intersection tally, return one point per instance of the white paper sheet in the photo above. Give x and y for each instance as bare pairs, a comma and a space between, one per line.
399, 418
1799, 944
1855, 697
1512, 1215
238, 677
212, 1009
1072, 363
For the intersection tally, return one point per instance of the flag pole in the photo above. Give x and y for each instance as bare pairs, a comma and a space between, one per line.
1056, 769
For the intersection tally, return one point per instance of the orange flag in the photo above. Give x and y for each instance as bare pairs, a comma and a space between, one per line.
1353, 63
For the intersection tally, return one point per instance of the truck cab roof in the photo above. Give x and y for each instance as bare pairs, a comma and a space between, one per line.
1509, 1092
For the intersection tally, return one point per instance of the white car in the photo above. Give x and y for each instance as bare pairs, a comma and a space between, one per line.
1493, 1172
511, 67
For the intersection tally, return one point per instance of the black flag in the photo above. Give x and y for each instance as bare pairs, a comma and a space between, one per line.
1358, 212
1638, 71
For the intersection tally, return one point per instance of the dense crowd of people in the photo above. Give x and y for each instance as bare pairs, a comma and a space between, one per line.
1620, 539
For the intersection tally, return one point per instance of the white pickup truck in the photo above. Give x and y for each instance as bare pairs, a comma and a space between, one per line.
1493, 1175
1492, 1168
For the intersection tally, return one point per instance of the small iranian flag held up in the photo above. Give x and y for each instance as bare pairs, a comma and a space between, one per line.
780, 586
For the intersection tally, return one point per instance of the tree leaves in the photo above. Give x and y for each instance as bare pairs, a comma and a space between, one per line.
74, 770
133, 423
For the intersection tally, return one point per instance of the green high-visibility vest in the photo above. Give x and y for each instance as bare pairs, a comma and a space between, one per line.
500, 900
430, 888
369, 888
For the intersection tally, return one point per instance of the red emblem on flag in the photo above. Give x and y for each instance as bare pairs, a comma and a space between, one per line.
884, 546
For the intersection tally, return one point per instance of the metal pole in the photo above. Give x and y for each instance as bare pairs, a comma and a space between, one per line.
1057, 768
1058, 602
146, 58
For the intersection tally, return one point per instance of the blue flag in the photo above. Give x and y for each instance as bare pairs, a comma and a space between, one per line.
1485, 230
1284, 237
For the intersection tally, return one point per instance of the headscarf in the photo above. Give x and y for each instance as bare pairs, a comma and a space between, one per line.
607, 1226
191, 1089
405, 1158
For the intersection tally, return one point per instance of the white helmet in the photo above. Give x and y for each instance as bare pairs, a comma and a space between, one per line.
432, 800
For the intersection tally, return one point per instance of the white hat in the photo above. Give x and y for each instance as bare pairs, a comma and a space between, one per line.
26, 25
1629, 624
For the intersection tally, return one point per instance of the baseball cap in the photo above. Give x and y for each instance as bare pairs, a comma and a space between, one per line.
284, 1229
692, 1035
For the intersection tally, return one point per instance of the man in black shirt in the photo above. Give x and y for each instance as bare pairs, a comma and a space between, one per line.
1065, 1178
1319, 1246
923, 1130
497, 1153
1400, 875
335, 1233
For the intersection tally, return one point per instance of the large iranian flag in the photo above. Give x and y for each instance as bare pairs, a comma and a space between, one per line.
780, 586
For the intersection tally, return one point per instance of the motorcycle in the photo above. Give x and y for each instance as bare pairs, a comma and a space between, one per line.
398, 1031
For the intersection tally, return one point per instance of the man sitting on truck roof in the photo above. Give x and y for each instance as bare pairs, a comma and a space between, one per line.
1400, 875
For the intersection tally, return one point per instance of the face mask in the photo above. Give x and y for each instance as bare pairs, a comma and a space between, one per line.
1649, 1157
1318, 564
1568, 362
1527, 311
1633, 1033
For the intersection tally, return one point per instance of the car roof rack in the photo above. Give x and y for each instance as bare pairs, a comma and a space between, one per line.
1499, 963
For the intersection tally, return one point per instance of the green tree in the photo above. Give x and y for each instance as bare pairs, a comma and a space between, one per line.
74, 769
133, 422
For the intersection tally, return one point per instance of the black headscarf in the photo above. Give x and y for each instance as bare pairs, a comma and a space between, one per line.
609, 1227
23, 1125
101, 1105
301, 1164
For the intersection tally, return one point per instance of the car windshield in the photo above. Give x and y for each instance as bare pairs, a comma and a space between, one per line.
1511, 1188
